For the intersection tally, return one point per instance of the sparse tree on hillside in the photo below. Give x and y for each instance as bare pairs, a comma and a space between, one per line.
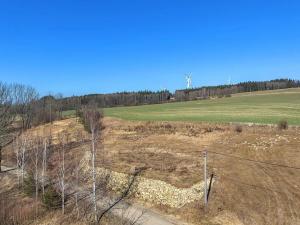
18, 157
35, 157
93, 118
44, 164
59, 104
7, 115
23, 158
19, 145
63, 138
76, 175
24, 99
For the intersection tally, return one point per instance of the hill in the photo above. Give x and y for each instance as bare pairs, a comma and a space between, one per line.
266, 107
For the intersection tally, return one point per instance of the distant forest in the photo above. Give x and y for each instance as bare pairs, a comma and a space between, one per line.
227, 90
150, 97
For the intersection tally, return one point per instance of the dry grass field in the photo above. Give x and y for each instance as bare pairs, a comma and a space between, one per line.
251, 192
243, 192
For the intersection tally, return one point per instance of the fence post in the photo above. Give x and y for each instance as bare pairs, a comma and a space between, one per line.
205, 178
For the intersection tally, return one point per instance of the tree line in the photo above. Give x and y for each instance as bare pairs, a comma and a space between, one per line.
117, 99
150, 97
227, 90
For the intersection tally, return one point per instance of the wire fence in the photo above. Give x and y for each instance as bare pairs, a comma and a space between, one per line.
254, 162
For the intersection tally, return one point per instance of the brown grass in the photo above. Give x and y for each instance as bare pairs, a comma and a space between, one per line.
172, 152
15, 208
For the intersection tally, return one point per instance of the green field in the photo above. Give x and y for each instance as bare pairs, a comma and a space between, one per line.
266, 107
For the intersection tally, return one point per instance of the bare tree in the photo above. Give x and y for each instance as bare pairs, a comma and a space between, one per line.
24, 99
23, 159
92, 117
35, 159
76, 174
44, 164
7, 115
18, 157
14, 99
61, 174
19, 145
59, 104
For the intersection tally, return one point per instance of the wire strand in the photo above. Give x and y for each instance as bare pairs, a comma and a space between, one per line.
255, 161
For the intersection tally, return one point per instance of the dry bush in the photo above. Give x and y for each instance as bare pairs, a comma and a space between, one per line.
238, 129
150, 128
282, 125
208, 130
193, 133
16, 211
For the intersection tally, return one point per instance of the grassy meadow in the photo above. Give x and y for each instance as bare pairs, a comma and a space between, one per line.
267, 107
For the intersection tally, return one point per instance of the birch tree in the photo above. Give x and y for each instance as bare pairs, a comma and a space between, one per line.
35, 160
23, 158
77, 170
63, 141
18, 157
93, 118
44, 164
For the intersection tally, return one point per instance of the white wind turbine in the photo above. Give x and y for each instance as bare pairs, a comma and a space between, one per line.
188, 81
229, 80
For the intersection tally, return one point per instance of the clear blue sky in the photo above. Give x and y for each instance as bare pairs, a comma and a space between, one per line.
78, 47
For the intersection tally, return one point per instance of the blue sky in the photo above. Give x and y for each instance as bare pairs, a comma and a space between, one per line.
80, 47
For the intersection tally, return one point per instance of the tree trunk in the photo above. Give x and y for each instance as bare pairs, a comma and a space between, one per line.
94, 175
63, 183
36, 184
0, 157
44, 167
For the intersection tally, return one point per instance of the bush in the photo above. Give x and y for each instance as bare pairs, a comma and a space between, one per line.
283, 125
208, 130
90, 113
51, 199
238, 128
29, 185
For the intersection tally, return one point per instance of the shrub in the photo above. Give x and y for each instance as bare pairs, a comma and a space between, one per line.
29, 185
282, 125
88, 112
238, 128
208, 130
52, 198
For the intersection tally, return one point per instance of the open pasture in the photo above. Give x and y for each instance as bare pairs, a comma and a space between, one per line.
266, 107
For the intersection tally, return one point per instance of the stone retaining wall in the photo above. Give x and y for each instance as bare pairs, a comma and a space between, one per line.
155, 191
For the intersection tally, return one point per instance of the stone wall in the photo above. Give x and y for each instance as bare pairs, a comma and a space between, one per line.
150, 190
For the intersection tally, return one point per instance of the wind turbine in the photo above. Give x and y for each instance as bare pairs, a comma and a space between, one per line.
229, 80
188, 81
